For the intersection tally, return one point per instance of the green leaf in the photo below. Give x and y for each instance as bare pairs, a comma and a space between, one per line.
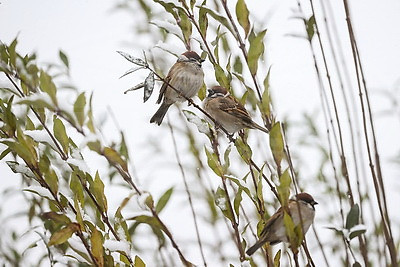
185, 25
213, 163
5, 153
353, 217
12, 52
77, 189
356, 233
222, 202
221, 77
226, 158
79, 109
97, 188
292, 231
64, 58
276, 143
202, 92
277, 259
255, 51
96, 241
61, 134
284, 187
244, 150
237, 201
38, 103
266, 101
52, 180
219, 18
242, 14
90, 123
203, 19
56, 217
63, 235
310, 24
138, 262
47, 86
164, 200
238, 66
78, 216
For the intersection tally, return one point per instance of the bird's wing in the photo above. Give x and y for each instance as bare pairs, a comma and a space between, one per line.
276, 218
163, 88
234, 108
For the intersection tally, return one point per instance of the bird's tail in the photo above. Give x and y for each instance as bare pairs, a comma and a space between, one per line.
256, 246
256, 126
159, 115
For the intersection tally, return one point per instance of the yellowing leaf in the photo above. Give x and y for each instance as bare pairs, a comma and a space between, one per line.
115, 158
52, 180
97, 247
64, 234
138, 262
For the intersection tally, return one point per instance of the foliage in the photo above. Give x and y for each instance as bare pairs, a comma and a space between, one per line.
45, 143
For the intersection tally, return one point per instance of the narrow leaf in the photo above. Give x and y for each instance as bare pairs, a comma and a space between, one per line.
136, 87
64, 58
352, 217
213, 163
61, 134
79, 109
255, 51
277, 259
276, 143
162, 202
132, 59
131, 71
64, 234
244, 150
115, 158
242, 14
97, 189
96, 241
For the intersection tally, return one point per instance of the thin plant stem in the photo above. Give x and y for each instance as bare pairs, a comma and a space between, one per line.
376, 174
189, 195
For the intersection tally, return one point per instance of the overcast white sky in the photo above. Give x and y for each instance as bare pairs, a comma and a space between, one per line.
90, 34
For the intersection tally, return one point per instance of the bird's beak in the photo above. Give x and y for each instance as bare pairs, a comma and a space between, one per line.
315, 203
202, 60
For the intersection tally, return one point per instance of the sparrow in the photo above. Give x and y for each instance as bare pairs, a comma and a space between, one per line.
227, 111
186, 76
274, 230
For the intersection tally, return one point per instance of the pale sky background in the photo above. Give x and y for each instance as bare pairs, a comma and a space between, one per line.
90, 35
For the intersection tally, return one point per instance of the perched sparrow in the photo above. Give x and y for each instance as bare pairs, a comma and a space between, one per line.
186, 76
228, 112
274, 231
